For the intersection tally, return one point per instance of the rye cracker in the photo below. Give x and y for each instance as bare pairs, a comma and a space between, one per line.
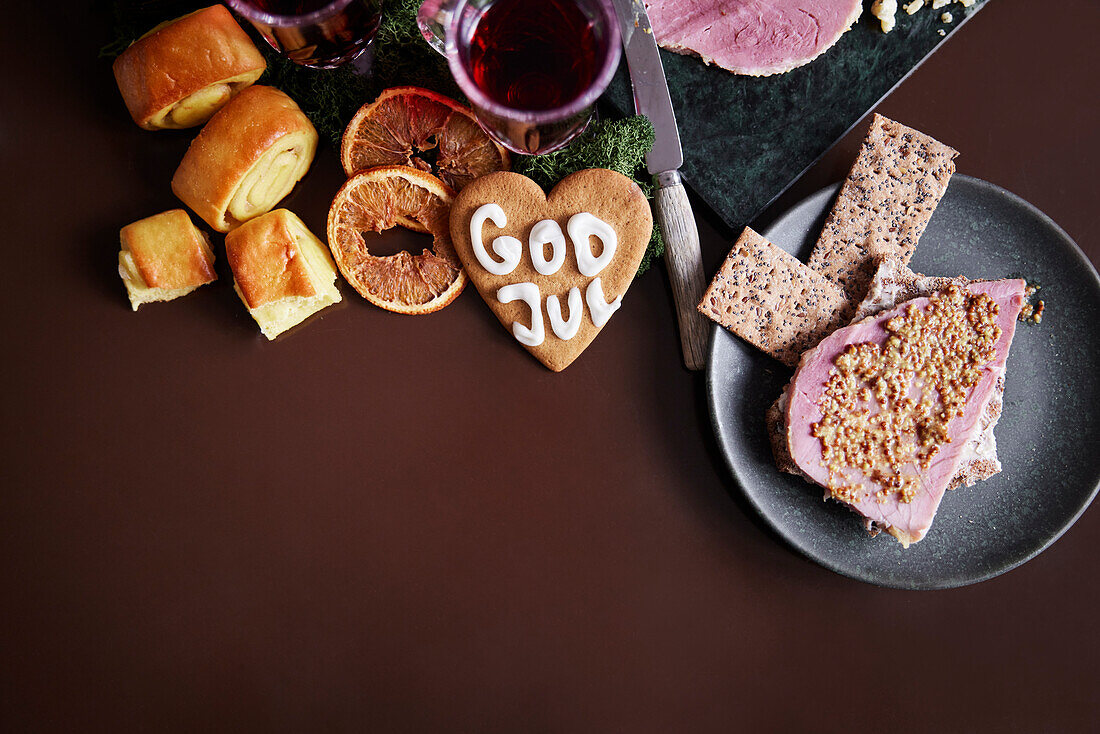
771, 300
897, 180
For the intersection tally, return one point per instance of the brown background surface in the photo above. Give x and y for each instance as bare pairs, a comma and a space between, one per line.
383, 523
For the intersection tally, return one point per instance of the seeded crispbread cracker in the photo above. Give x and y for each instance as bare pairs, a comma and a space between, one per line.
895, 283
898, 178
771, 300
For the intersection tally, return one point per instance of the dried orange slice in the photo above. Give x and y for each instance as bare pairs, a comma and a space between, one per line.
374, 201
405, 122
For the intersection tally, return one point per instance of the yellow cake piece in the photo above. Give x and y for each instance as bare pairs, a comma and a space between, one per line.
163, 257
281, 271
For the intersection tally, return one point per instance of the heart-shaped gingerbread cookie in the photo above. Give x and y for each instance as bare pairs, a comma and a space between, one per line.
552, 268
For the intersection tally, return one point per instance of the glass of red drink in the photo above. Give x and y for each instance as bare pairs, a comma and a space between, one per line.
319, 33
532, 69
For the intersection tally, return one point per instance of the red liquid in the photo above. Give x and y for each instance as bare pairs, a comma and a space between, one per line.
329, 41
534, 54
289, 7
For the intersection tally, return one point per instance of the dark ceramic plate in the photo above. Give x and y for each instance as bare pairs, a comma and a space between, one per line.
1046, 439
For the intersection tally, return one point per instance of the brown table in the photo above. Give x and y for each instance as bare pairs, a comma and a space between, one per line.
383, 523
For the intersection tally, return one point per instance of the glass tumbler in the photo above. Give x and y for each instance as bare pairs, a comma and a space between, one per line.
322, 34
532, 69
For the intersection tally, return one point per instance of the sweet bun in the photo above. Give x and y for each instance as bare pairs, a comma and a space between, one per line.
183, 71
246, 159
164, 257
281, 271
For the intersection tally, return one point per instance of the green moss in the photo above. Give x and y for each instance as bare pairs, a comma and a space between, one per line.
328, 97
402, 56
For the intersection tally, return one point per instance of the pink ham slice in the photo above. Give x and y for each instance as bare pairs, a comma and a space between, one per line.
908, 522
753, 37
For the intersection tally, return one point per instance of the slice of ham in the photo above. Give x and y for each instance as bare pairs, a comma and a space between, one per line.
752, 37
894, 283
906, 521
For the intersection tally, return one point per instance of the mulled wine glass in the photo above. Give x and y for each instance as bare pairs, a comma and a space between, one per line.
532, 69
322, 34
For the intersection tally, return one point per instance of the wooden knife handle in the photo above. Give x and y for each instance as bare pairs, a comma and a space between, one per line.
684, 260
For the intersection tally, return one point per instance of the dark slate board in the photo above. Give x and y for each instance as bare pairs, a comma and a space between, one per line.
746, 139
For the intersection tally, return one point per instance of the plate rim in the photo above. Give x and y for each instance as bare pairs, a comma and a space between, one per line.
802, 549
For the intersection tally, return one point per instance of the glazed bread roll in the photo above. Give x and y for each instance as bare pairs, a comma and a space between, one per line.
281, 271
246, 159
183, 71
163, 257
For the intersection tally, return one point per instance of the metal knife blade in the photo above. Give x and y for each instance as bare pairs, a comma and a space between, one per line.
683, 257
647, 76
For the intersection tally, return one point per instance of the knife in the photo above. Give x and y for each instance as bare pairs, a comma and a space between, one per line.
683, 258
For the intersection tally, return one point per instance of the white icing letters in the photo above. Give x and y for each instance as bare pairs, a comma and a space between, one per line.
529, 293
598, 307
509, 248
580, 227
547, 232
565, 329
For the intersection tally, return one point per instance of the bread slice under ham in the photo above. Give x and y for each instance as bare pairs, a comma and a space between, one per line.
971, 455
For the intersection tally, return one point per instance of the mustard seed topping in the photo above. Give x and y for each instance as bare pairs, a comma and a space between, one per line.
886, 409
1032, 312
